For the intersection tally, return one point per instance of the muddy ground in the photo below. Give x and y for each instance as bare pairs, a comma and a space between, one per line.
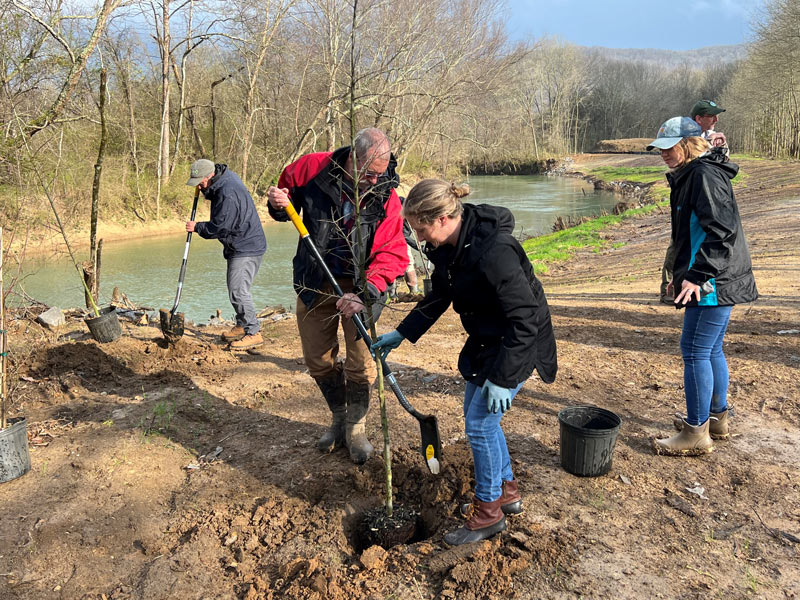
191, 472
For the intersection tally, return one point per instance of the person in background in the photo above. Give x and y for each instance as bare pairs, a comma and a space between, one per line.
321, 188
482, 270
712, 273
234, 221
410, 275
704, 113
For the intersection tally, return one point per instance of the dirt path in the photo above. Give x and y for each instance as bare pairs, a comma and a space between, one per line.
119, 503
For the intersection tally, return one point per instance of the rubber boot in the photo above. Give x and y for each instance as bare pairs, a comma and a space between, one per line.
485, 520
510, 500
355, 429
690, 441
718, 429
333, 389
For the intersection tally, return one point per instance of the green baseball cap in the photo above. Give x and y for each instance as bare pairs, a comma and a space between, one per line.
706, 108
201, 169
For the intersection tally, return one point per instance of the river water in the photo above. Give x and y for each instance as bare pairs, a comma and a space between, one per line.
146, 270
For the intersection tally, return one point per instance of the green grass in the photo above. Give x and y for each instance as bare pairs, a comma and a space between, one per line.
745, 156
553, 248
632, 174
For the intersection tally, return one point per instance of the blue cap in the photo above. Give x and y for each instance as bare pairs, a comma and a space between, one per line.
673, 131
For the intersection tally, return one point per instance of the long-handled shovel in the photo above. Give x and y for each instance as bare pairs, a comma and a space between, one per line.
431, 447
172, 322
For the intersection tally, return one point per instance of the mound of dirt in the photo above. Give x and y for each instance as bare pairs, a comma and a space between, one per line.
622, 146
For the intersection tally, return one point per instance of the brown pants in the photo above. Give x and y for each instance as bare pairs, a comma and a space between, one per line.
319, 336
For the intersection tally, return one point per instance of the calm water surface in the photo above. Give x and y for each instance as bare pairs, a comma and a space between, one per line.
147, 269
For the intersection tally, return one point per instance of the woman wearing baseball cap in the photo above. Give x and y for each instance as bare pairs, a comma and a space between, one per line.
712, 272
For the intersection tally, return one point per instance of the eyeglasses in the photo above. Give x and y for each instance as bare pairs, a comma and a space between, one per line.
370, 174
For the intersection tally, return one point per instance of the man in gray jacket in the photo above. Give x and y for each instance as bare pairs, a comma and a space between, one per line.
236, 224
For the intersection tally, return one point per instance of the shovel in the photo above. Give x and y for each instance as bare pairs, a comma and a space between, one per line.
172, 322
431, 448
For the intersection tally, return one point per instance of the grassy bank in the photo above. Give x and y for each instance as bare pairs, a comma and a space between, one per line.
553, 248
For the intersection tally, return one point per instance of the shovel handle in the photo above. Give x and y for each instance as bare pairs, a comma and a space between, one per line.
362, 330
182, 274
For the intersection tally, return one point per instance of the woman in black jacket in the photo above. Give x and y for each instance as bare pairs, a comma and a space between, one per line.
482, 270
712, 272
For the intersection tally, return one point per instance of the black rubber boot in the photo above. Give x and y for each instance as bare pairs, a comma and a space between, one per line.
355, 430
485, 520
333, 389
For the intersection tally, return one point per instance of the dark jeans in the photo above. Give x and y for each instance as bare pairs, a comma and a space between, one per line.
705, 370
242, 271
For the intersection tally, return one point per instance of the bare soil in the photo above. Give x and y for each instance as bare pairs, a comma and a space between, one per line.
191, 472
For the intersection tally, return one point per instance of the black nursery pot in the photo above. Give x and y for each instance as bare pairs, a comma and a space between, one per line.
106, 327
588, 436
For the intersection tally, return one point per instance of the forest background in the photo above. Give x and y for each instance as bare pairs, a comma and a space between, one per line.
136, 90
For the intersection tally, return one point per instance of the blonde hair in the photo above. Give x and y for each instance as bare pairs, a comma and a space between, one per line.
692, 147
434, 198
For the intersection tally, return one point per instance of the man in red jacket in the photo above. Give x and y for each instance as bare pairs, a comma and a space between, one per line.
320, 187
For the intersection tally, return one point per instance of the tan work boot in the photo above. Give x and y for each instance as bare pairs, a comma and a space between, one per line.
333, 389
355, 428
691, 441
718, 429
485, 520
234, 333
249, 341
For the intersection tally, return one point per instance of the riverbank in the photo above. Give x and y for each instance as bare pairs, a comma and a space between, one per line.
189, 471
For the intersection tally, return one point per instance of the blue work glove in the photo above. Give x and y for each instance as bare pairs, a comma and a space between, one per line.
387, 342
497, 398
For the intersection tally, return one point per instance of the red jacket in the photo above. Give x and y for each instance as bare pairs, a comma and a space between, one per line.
317, 189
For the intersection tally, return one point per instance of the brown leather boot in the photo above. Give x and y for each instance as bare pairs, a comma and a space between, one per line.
691, 441
234, 333
355, 428
510, 500
486, 519
249, 341
333, 390
718, 429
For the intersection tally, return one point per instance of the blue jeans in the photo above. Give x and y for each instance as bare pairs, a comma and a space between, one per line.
705, 370
488, 443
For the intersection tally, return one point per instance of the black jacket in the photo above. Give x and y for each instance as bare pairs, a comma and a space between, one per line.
234, 220
710, 247
490, 282
316, 184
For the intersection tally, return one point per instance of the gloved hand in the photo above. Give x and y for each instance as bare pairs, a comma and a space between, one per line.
387, 342
497, 398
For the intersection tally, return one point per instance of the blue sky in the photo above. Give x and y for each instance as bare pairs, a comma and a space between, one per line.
667, 24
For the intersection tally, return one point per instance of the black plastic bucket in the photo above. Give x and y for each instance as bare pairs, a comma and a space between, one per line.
15, 460
588, 436
106, 327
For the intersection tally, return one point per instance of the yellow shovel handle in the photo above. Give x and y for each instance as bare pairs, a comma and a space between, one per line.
298, 222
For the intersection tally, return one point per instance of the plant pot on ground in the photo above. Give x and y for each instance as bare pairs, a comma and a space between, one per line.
105, 327
15, 460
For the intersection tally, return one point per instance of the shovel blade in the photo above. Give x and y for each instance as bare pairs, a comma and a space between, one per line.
431, 448
171, 325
